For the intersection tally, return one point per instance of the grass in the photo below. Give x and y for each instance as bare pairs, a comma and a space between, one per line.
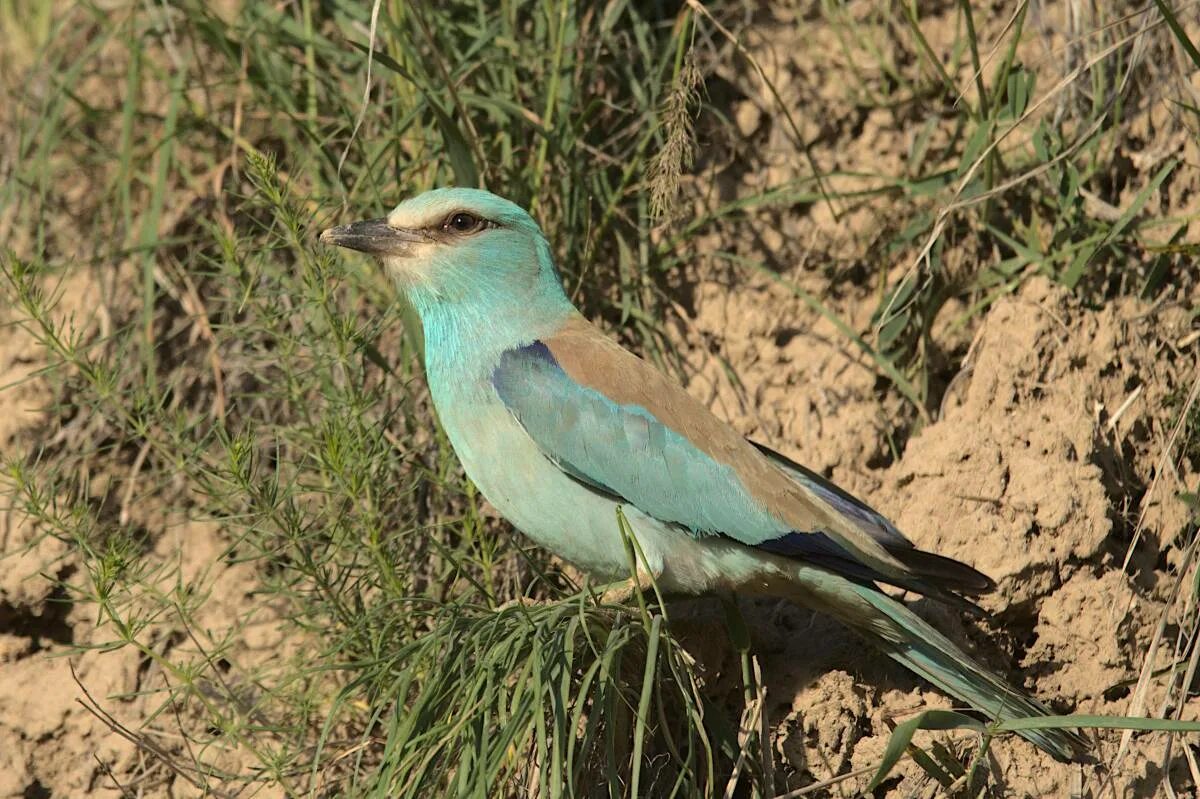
226, 373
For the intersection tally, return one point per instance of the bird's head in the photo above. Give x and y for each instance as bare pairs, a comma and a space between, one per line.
460, 249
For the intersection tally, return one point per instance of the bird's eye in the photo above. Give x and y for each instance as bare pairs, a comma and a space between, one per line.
462, 222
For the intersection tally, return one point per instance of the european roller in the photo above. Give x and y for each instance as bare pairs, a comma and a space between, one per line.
559, 426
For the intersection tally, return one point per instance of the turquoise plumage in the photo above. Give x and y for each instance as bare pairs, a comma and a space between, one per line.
625, 452
559, 426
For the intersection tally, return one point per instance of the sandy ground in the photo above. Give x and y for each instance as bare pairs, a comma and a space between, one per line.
1041, 468
1028, 474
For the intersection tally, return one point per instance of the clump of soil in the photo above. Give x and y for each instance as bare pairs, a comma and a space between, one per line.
54, 659
48, 741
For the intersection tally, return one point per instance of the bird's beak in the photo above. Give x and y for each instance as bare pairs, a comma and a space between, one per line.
374, 236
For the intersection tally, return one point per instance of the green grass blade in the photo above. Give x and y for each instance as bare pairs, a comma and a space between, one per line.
1180, 34
901, 737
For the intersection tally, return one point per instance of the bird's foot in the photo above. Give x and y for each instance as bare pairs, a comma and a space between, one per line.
521, 602
622, 592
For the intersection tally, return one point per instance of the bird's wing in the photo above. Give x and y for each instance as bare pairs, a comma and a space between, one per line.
951, 575
611, 420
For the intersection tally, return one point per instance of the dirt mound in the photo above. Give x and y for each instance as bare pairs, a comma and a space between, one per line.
52, 656
47, 739
1034, 471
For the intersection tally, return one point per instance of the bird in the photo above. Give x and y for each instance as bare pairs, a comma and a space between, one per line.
560, 428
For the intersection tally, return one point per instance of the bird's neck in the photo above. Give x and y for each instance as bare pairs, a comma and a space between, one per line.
463, 342
483, 305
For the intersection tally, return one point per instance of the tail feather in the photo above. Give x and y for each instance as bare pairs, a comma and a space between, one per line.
914, 643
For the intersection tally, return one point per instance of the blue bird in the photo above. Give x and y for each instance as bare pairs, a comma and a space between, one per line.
559, 426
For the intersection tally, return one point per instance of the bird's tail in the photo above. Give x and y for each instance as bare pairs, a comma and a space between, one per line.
913, 642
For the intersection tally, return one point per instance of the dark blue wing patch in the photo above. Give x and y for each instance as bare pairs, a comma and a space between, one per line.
933, 575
